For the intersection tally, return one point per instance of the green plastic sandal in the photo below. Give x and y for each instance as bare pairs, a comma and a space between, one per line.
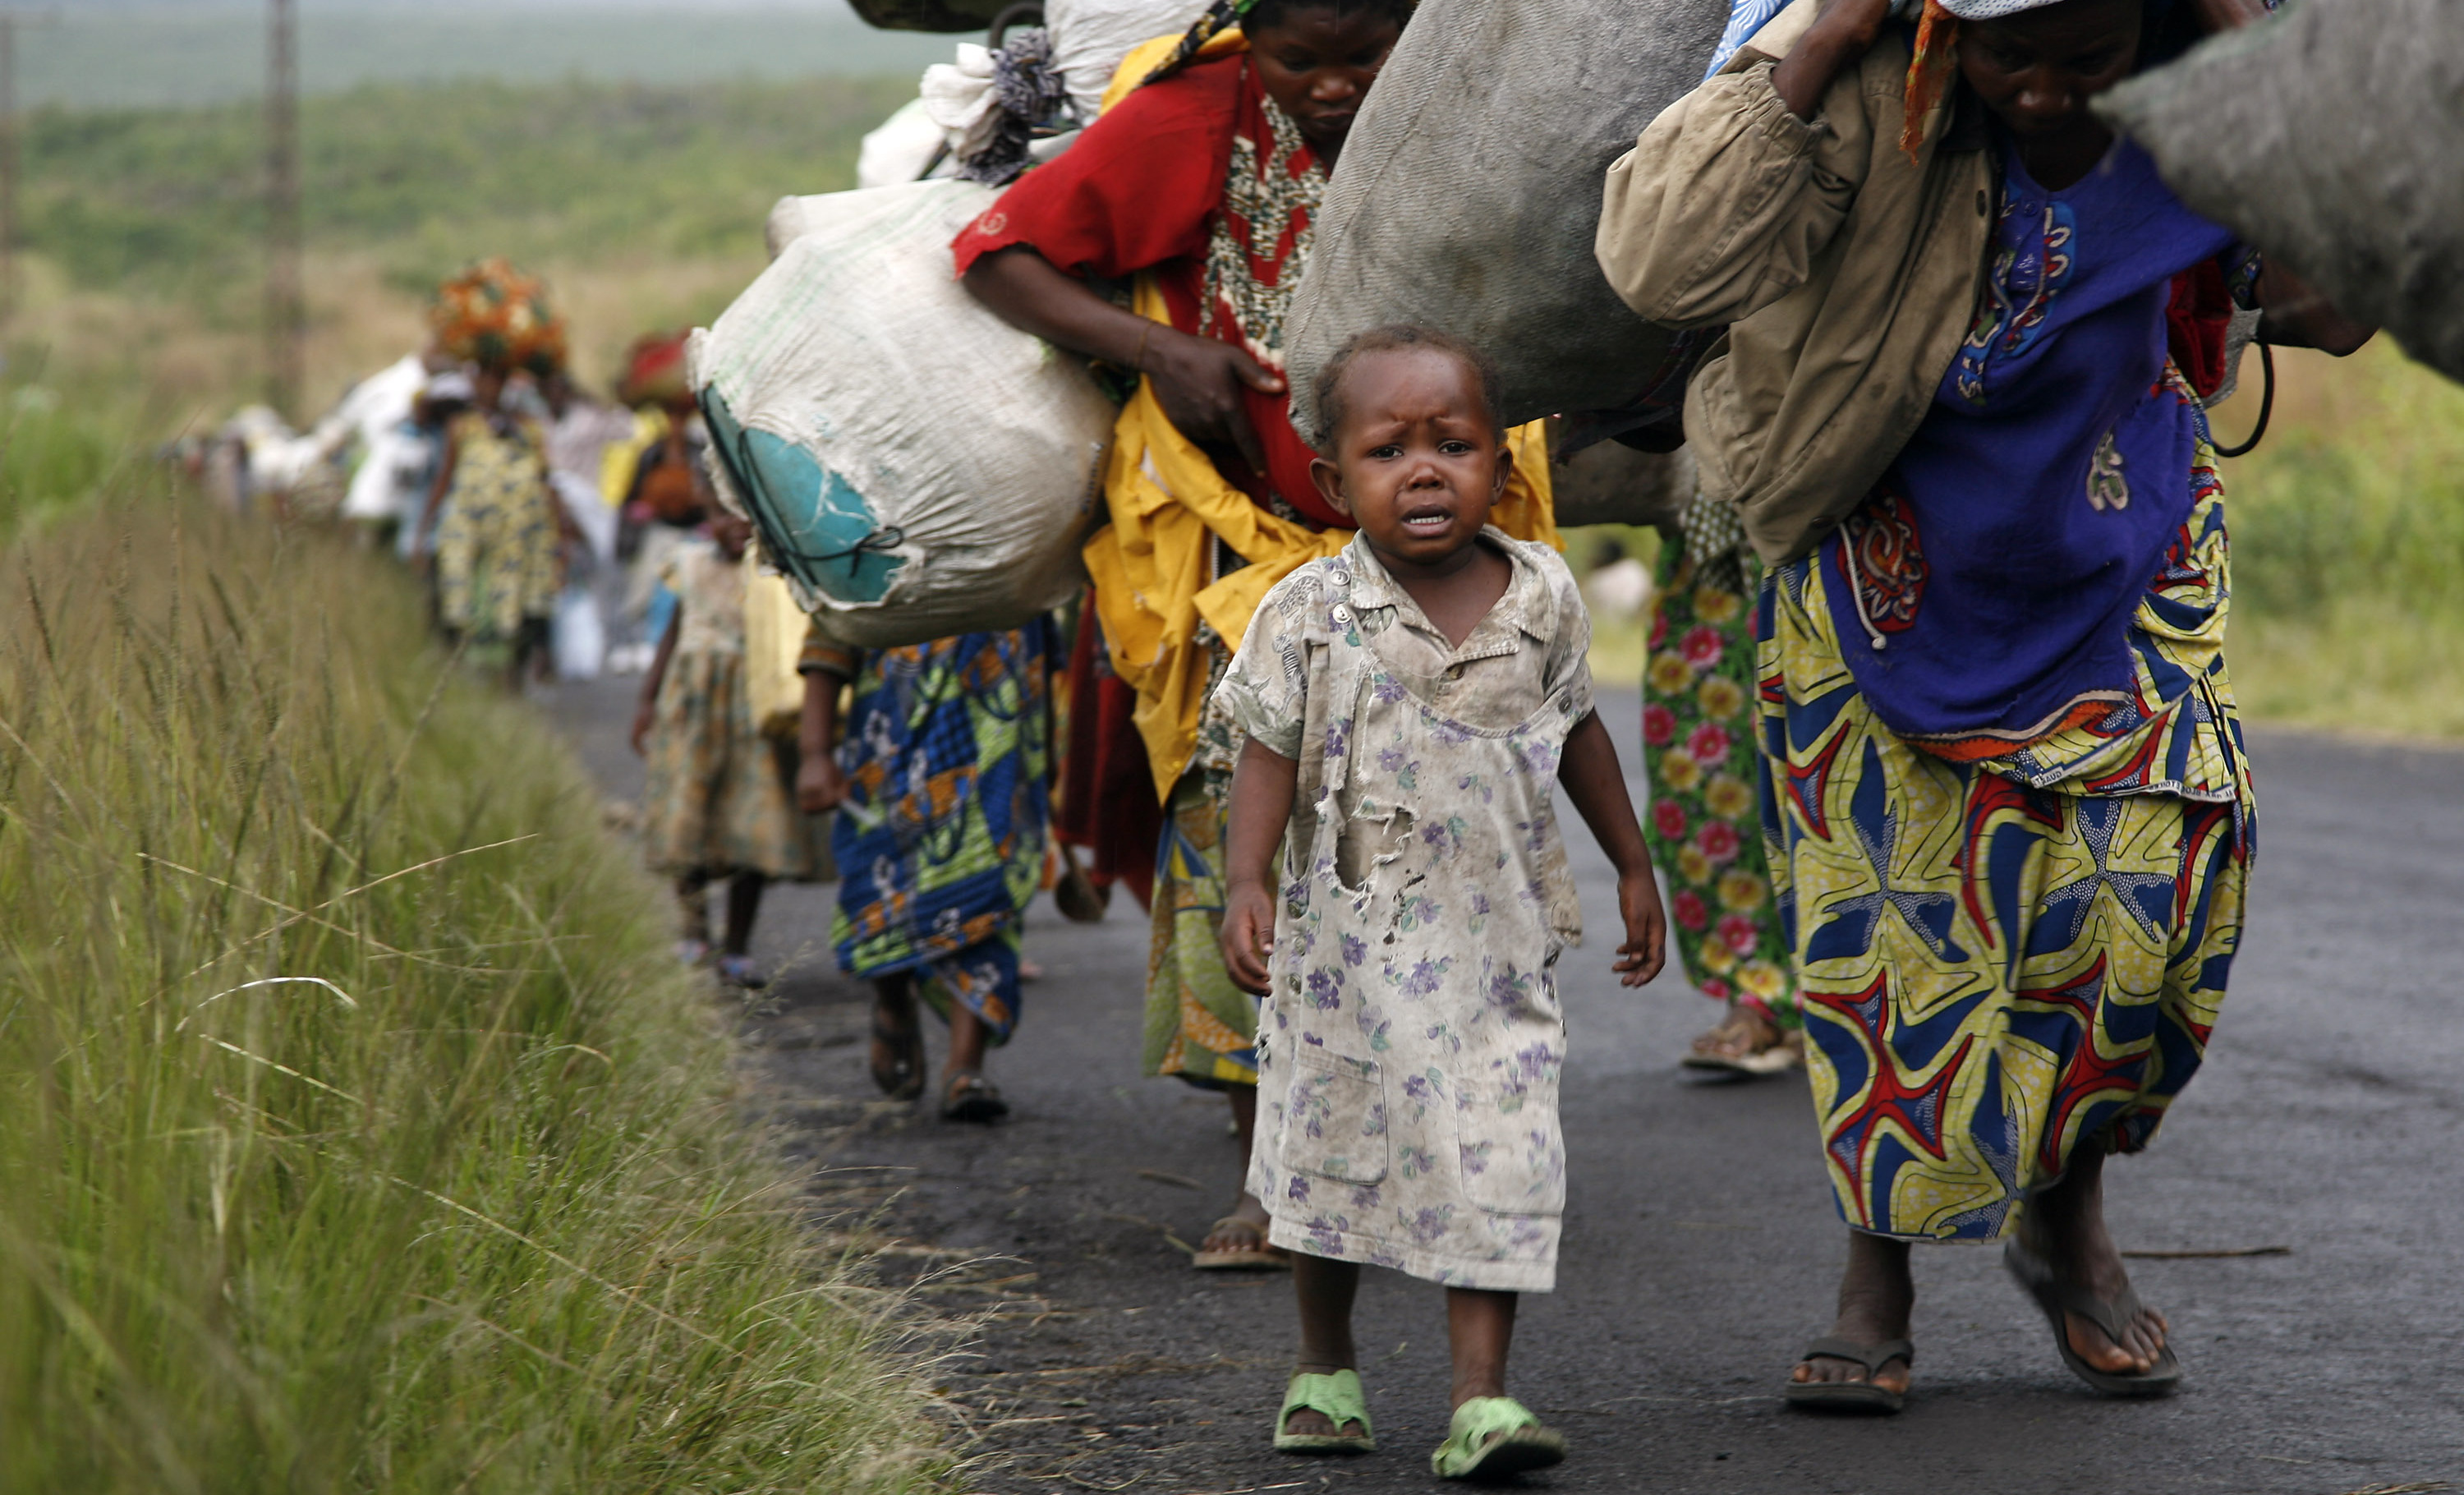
1492, 1438
1336, 1398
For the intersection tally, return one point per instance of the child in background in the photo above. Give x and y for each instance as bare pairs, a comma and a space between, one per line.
719, 802
1409, 704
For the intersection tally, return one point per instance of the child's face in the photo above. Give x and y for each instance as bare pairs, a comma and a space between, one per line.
1317, 63
2037, 68
732, 534
1417, 463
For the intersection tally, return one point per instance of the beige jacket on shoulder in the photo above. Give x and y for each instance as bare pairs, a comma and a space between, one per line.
1846, 275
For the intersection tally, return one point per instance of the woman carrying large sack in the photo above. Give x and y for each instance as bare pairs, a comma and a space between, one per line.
2011, 814
1196, 186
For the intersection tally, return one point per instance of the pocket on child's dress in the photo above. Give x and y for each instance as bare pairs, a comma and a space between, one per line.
1511, 1151
1335, 1116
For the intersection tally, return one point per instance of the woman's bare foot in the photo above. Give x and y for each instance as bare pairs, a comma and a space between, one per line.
2063, 1226
1745, 1042
1876, 1296
1239, 1239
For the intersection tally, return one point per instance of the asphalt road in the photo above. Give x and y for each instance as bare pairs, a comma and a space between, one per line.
1701, 1248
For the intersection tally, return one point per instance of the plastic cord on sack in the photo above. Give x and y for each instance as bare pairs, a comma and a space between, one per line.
776, 543
2266, 407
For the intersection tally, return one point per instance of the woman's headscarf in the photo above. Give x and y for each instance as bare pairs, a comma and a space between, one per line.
655, 370
1219, 18
1935, 60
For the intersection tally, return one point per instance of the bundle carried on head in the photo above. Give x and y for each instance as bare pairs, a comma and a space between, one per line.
655, 370
495, 316
1469, 188
2329, 138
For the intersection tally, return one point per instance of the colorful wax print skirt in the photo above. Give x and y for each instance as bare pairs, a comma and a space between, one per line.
720, 799
940, 840
1705, 825
496, 541
2000, 961
1199, 1025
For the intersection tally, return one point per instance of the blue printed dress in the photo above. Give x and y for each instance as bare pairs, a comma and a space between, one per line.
940, 840
2009, 815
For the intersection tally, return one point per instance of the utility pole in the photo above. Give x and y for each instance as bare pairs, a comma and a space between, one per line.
286, 315
9, 22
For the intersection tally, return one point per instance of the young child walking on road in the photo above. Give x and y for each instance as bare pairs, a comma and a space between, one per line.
719, 804
1409, 704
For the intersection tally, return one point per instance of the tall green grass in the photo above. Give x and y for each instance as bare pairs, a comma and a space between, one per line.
2349, 555
356, 1132
57, 455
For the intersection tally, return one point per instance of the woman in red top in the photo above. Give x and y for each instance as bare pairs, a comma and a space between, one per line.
1204, 177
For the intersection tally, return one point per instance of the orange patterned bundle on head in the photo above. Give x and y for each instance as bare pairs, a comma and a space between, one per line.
1930, 69
495, 316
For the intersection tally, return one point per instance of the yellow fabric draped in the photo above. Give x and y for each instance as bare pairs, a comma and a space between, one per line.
1151, 564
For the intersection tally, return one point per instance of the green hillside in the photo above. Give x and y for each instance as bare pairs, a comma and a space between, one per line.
166, 201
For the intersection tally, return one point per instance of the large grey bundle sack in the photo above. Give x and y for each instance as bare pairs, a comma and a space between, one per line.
1468, 192
2333, 136
1611, 484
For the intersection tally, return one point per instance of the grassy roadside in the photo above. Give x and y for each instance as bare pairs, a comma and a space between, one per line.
355, 1132
2348, 547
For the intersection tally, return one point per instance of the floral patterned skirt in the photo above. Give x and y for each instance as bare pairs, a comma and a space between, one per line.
497, 560
1705, 828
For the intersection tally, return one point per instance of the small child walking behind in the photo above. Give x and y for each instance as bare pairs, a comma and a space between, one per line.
1409, 704
721, 801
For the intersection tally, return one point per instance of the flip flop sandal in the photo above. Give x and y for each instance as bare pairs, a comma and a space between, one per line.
1336, 1398
1493, 1438
902, 1079
1259, 1258
971, 1097
1852, 1395
2036, 1276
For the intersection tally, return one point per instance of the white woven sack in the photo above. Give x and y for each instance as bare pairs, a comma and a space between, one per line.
1090, 38
916, 467
1468, 192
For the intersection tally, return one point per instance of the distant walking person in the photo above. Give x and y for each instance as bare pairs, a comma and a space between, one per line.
2000, 747
499, 529
940, 775
720, 805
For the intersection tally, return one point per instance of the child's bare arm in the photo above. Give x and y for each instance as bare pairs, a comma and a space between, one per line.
648, 713
819, 784
1589, 770
1263, 786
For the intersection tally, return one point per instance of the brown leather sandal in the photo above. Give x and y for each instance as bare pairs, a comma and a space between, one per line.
971, 1097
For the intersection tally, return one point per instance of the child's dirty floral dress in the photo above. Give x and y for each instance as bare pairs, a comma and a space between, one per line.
1409, 1050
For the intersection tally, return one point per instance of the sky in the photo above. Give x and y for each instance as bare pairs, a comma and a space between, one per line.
120, 53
